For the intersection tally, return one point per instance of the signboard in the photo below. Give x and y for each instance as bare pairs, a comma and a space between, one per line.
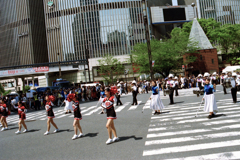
24, 71
153, 62
50, 3
29, 95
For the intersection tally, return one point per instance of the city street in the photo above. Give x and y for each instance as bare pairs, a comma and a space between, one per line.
174, 134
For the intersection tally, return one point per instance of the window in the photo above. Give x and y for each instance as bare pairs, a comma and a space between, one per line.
200, 57
212, 61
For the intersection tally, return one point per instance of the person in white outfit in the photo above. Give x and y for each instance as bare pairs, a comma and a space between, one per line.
210, 102
156, 102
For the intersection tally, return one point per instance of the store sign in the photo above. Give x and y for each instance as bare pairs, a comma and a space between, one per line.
50, 3
24, 71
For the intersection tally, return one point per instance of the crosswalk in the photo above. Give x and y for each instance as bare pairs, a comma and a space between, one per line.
178, 134
85, 111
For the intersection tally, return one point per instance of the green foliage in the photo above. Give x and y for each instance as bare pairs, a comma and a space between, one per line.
167, 54
2, 91
26, 89
110, 68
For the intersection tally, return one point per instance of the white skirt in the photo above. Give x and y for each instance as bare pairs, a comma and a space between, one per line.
210, 103
156, 102
68, 105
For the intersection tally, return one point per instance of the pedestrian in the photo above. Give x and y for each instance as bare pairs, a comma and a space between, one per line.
77, 116
214, 80
118, 96
102, 96
234, 87
134, 93
223, 81
111, 114
50, 114
171, 86
210, 102
22, 116
176, 85
156, 102
68, 104
5, 112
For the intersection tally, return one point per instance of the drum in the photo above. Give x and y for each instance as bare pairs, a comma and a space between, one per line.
227, 84
167, 91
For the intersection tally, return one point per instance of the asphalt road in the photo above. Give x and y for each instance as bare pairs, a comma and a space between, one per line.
175, 134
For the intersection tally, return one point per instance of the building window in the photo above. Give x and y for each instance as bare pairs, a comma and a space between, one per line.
200, 57
212, 61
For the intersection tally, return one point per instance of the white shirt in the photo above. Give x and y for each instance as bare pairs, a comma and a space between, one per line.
134, 88
233, 82
171, 83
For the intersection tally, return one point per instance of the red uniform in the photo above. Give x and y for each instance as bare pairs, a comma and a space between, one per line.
49, 110
4, 110
21, 112
77, 110
108, 104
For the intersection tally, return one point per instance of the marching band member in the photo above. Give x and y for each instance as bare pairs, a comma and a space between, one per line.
156, 103
50, 114
118, 95
210, 102
108, 104
223, 78
134, 93
170, 85
5, 113
214, 80
22, 116
176, 85
234, 87
77, 116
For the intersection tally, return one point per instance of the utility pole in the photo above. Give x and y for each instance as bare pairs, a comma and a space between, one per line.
59, 65
87, 56
193, 5
144, 3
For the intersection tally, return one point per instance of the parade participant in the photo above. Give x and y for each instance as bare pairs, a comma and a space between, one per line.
1, 113
199, 81
164, 86
170, 86
77, 116
176, 85
118, 96
111, 114
210, 102
50, 114
102, 96
68, 104
134, 93
223, 78
22, 116
156, 103
234, 87
214, 80
5, 113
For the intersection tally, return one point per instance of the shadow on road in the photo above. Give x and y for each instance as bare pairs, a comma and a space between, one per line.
91, 135
34, 130
179, 102
64, 130
165, 112
129, 137
13, 128
219, 115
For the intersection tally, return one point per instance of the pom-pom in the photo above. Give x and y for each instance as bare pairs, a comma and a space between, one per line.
51, 98
70, 97
113, 90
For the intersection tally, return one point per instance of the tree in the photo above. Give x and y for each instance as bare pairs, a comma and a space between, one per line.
110, 68
167, 54
26, 88
2, 91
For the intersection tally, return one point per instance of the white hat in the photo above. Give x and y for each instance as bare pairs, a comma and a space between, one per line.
238, 76
206, 74
134, 81
200, 75
214, 73
176, 77
234, 74
170, 76
119, 85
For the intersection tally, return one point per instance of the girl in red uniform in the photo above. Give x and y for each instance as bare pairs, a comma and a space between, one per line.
111, 114
50, 114
77, 116
22, 116
5, 113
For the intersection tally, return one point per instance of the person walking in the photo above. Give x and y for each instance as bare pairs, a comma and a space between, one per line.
156, 102
22, 116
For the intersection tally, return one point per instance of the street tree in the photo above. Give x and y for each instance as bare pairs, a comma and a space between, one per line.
167, 54
110, 68
3, 92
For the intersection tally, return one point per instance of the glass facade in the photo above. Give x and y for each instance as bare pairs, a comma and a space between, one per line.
22, 28
224, 11
97, 27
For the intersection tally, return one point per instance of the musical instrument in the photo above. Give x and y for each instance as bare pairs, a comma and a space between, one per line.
198, 92
167, 91
227, 84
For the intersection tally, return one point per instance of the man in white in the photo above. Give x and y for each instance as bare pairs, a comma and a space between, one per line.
234, 87
170, 85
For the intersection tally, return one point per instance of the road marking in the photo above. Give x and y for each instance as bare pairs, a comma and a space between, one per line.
122, 107
135, 107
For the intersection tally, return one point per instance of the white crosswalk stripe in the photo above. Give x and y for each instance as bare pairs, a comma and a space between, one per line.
134, 107
179, 132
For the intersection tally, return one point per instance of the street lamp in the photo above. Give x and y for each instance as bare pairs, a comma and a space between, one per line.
193, 5
147, 36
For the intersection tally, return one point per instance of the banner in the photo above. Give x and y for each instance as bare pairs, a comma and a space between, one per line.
24, 71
